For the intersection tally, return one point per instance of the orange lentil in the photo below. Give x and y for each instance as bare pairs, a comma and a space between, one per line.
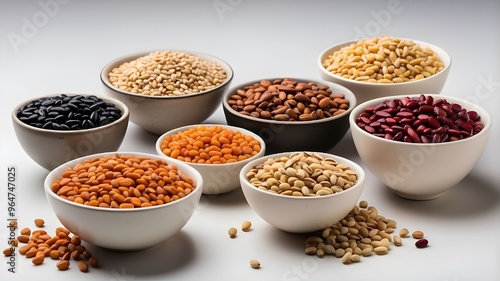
122, 181
210, 145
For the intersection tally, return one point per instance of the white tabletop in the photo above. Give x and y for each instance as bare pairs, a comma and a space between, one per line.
58, 46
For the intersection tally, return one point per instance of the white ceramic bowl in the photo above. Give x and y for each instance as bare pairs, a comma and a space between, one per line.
365, 91
302, 214
158, 114
51, 148
420, 171
217, 178
281, 136
124, 229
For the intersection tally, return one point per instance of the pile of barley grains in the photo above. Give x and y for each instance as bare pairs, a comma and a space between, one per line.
384, 60
167, 73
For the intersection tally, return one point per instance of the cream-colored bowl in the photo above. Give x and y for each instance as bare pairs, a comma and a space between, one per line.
217, 178
302, 214
51, 148
124, 229
159, 114
420, 171
365, 91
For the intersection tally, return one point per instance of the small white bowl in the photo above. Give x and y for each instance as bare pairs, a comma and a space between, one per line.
365, 91
420, 171
158, 114
302, 214
217, 178
124, 229
51, 148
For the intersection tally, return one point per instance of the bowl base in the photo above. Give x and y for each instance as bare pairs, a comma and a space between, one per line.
417, 197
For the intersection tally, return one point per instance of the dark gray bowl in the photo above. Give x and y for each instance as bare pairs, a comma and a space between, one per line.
280, 136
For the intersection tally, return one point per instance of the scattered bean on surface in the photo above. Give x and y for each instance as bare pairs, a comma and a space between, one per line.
302, 174
39, 222
255, 264
167, 73
246, 226
232, 231
384, 60
359, 234
123, 181
68, 112
403, 232
62, 247
421, 243
398, 241
421, 119
210, 145
417, 234
288, 100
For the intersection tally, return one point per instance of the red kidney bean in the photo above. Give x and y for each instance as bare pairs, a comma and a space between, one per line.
421, 119
421, 243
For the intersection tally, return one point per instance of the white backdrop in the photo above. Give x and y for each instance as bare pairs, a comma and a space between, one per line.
60, 46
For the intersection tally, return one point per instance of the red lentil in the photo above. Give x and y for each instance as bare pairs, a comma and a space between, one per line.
123, 181
210, 145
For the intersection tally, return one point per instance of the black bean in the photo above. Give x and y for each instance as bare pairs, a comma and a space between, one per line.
94, 117
65, 112
97, 105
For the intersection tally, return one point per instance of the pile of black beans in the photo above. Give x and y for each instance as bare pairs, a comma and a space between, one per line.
68, 112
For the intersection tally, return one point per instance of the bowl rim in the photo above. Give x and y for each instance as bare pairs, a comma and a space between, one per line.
485, 116
234, 128
442, 54
132, 56
48, 191
346, 91
360, 173
125, 115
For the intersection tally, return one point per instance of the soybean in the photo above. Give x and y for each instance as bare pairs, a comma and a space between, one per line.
246, 226
232, 232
